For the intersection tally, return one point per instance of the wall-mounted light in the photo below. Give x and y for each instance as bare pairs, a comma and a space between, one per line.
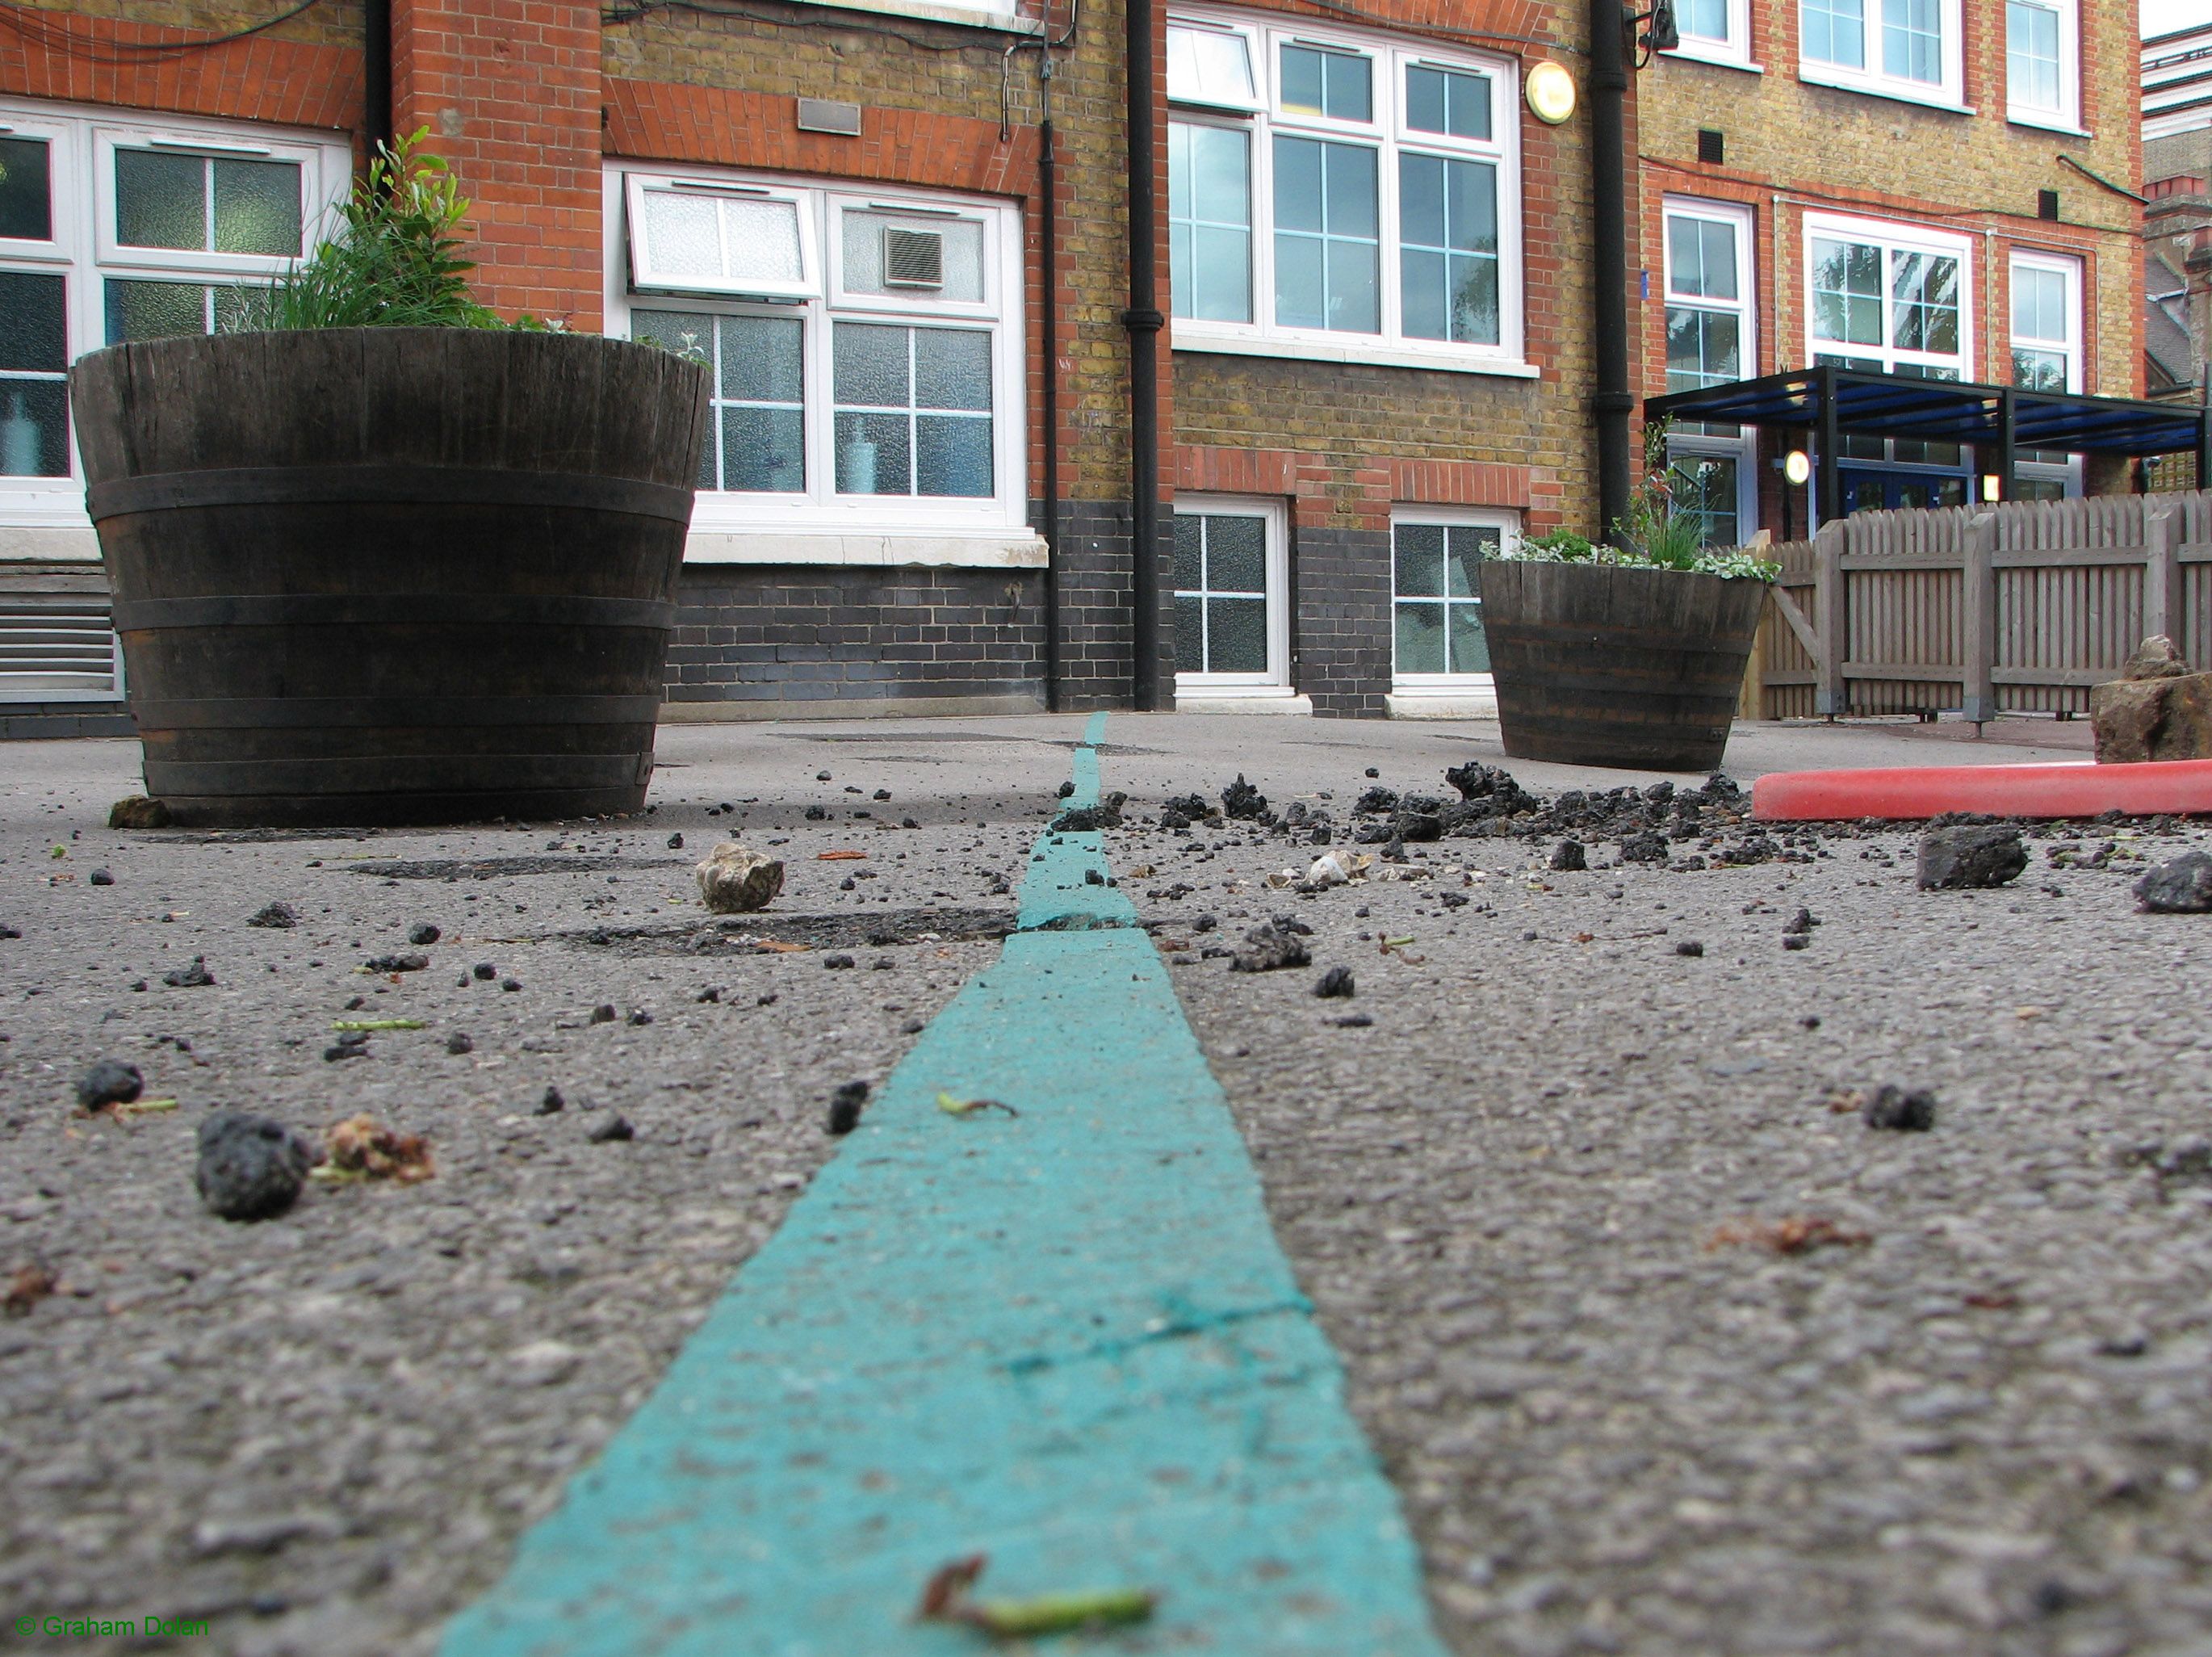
1662, 35
1551, 93
1992, 486
1797, 466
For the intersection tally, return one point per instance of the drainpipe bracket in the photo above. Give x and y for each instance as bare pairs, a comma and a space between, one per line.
1143, 321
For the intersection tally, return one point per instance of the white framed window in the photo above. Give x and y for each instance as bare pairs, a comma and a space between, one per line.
1715, 30
1711, 339
1342, 196
1888, 296
114, 230
2046, 356
865, 347
2043, 63
1437, 644
1909, 49
1232, 614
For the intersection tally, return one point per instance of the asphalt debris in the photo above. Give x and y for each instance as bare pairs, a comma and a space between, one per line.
1963, 857
423, 933
275, 914
2182, 886
845, 1106
1335, 984
1272, 946
250, 1167
193, 977
111, 1082
1897, 1108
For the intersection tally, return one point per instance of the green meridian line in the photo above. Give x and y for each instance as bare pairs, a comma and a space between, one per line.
1065, 1338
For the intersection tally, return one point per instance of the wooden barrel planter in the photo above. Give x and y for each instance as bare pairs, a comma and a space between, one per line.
1600, 665
391, 576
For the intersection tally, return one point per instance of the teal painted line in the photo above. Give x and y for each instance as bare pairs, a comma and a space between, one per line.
1065, 1338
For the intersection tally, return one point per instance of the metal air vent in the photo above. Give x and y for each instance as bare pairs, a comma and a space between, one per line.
56, 647
913, 259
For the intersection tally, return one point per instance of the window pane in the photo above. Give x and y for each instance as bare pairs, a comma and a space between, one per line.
683, 235
2038, 305
1705, 489
1926, 287
872, 366
155, 310
1417, 561
33, 322
1297, 184
1447, 209
762, 240
1302, 81
161, 201
1715, 244
1835, 32
1223, 263
1420, 638
951, 368
1468, 547
257, 208
763, 450
1210, 217
873, 455
1701, 347
1447, 100
26, 190
34, 426
1704, 20
761, 359
1350, 199
1912, 39
1421, 200
2031, 56
953, 456
1190, 633
1847, 292
1237, 635
2038, 370
1235, 554
1190, 552
1300, 299
1424, 294
1207, 66
1338, 84
960, 245
1470, 648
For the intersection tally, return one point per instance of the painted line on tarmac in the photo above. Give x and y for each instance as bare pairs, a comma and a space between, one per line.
1065, 1337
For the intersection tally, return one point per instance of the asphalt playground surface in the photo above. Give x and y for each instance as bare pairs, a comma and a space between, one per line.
1522, 1218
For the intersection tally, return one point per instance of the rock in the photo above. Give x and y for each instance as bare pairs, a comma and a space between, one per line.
1690, 947
2140, 720
111, 1082
250, 1166
100, 877
1976, 855
1335, 984
1272, 947
190, 977
734, 879
1420, 827
1649, 847
510, 984
676, 842
2156, 657
845, 1106
604, 1012
551, 1104
483, 972
542, 1363
2182, 886
613, 1130
458, 1042
838, 962
278, 914
1239, 799
639, 1017
423, 933
353, 1044
137, 812
1801, 924
1892, 1107
1796, 940
407, 963
1570, 855
1085, 820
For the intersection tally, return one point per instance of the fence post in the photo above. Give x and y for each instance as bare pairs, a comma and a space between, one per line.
2161, 574
1828, 699
1977, 618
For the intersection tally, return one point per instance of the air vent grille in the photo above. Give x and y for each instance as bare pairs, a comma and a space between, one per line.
1712, 147
56, 648
913, 259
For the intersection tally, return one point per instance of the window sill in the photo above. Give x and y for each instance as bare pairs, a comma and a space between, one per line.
62, 543
1718, 57
1186, 338
1476, 699
966, 16
1198, 697
1896, 92
2042, 123
1000, 548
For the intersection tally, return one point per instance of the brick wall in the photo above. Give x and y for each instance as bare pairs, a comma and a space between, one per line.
780, 641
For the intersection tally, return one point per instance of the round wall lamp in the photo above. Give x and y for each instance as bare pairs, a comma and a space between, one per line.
1551, 93
1798, 466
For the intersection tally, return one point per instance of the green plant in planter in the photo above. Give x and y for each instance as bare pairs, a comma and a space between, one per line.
394, 258
1661, 532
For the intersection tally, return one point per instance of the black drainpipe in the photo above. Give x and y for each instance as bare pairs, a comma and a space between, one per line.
1611, 401
376, 73
1143, 321
1048, 264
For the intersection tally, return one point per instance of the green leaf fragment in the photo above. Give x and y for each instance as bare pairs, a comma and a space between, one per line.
1059, 1613
954, 1106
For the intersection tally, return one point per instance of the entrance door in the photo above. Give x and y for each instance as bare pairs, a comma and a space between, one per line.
1231, 632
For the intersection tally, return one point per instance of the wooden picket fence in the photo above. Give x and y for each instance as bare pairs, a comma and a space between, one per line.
1982, 610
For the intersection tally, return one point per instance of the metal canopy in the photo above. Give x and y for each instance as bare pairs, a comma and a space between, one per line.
1837, 402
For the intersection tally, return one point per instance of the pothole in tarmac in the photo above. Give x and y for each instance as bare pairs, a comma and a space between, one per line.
494, 868
772, 933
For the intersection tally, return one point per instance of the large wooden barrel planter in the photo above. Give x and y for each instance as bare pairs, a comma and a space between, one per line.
391, 576
1600, 665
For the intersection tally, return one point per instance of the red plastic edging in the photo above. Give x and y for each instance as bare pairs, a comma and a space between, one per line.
2077, 788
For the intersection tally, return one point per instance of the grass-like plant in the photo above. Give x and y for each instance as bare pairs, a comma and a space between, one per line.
396, 257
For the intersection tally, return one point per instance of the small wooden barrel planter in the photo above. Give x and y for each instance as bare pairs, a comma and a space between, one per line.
1599, 666
391, 576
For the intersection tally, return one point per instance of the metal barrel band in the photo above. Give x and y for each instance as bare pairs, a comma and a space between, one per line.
447, 712
386, 485
469, 610
400, 774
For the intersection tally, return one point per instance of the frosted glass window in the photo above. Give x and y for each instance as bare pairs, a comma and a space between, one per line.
1221, 593
1210, 222
207, 204
755, 440
1209, 66
33, 360
912, 411
1437, 597
961, 244
161, 310
737, 244
26, 211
